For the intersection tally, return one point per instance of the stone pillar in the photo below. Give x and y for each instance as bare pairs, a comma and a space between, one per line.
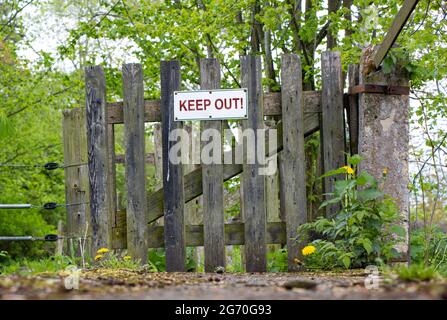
384, 138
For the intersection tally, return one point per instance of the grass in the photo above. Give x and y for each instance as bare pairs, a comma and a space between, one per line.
416, 272
31, 267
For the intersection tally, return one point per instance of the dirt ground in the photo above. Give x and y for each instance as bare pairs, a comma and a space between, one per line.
127, 284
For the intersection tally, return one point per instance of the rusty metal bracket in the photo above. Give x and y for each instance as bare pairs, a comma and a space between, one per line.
381, 89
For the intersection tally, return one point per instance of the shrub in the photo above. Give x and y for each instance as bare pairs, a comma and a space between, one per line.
363, 232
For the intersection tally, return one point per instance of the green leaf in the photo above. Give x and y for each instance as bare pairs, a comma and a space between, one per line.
354, 160
341, 186
369, 194
398, 230
330, 201
367, 245
333, 173
387, 65
364, 178
346, 261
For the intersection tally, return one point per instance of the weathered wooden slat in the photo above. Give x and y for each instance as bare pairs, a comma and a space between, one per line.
173, 195
59, 250
134, 141
293, 153
353, 110
333, 137
112, 176
234, 234
152, 112
393, 32
253, 181
76, 177
192, 180
212, 178
97, 141
149, 158
271, 103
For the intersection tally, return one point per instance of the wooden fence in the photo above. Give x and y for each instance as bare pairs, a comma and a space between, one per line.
134, 228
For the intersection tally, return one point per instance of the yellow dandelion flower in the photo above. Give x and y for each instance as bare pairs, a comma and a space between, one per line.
127, 258
385, 171
102, 251
348, 169
98, 257
307, 250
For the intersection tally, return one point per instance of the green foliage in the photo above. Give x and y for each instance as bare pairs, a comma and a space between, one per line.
365, 231
156, 260
25, 266
235, 256
429, 248
33, 97
233, 186
24, 223
416, 272
114, 260
277, 260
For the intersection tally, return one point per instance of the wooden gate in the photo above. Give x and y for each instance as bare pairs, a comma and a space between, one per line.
302, 113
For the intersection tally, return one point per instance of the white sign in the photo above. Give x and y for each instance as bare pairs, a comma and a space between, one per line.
210, 104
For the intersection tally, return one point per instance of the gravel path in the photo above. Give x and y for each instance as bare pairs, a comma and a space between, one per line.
126, 284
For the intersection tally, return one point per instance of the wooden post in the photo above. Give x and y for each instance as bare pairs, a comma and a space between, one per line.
294, 156
254, 183
97, 138
76, 175
173, 197
212, 180
353, 110
133, 108
333, 136
60, 242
